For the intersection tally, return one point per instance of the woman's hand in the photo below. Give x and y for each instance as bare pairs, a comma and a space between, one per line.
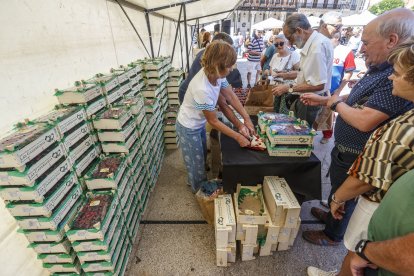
243, 130
243, 141
249, 124
313, 99
280, 90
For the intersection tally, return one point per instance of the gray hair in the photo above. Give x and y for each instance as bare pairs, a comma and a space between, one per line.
297, 20
280, 36
398, 21
330, 17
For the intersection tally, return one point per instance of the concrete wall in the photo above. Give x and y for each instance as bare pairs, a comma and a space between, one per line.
48, 44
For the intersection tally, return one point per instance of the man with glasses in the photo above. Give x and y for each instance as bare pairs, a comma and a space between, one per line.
254, 50
343, 61
315, 64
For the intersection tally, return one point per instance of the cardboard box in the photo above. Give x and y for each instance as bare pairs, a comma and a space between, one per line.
34, 169
79, 94
112, 180
288, 151
46, 207
100, 229
75, 134
277, 135
284, 235
63, 268
95, 106
112, 118
52, 247
259, 217
283, 207
294, 233
72, 200
224, 221
120, 147
283, 246
58, 258
117, 135
247, 252
85, 160
175, 72
42, 185
227, 255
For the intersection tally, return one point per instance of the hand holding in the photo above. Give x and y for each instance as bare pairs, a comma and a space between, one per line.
280, 90
243, 130
313, 99
243, 141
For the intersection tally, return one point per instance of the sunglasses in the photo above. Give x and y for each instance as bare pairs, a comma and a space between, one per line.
277, 44
337, 27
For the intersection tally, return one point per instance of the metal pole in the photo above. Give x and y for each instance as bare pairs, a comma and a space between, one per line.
176, 34
186, 39
132, 24
181, 46
162, 32
149, 33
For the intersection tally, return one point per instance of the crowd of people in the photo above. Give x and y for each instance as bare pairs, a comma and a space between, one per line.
372, 160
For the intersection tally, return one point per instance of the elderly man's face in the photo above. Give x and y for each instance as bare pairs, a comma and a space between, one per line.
374, 47
295, 38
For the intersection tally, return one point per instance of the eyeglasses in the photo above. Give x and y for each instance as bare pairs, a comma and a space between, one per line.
337, 27
277, 44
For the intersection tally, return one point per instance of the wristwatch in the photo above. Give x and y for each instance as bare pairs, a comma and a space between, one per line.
359, 249
333, 106
290, 90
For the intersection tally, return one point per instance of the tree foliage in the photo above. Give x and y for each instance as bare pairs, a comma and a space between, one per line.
386, 5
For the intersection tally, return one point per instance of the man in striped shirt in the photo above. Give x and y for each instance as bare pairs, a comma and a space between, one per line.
254, 50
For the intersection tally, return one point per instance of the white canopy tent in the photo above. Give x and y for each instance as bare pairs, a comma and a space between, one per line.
269, 23
314, 21
361, 19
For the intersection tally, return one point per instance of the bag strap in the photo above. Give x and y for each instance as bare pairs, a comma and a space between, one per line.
286, 64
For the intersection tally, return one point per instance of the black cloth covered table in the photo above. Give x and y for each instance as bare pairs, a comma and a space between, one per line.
248, 167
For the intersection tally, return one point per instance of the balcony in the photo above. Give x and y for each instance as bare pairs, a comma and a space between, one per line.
320, 6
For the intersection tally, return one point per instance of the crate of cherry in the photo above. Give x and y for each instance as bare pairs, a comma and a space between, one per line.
93, 220
241, 93
107, 172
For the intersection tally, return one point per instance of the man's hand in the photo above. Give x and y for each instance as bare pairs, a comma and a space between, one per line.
358, 265
332, 100
337, 210
243, 142
313, 99
280, 90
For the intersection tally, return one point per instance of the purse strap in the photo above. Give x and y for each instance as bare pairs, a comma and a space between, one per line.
286, 64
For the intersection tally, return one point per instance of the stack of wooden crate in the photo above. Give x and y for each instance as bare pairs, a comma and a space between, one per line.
225, 228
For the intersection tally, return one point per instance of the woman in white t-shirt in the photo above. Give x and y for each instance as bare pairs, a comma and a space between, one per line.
199, 107
284, 66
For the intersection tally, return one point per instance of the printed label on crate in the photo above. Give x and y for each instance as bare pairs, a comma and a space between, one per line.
45, 163
69, 183
112, 97
75, 136
72, 121
92, 93
123, 78
80, 149
33, 149
94, 107
111, 85
81, 166
73, 197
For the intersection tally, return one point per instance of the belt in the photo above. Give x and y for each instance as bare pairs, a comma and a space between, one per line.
344, 149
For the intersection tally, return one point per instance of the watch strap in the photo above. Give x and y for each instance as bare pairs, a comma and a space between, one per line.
359, 249
333, 106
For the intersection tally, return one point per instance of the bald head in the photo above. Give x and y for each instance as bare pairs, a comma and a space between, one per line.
396, 21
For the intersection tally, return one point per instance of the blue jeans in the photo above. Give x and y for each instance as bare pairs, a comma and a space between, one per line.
194, 149
340, 164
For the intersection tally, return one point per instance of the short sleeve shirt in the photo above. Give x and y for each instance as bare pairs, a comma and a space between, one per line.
279, 63
343, 61
388, 154
269, 53
201, 95
374, 90
257, 45
316, 62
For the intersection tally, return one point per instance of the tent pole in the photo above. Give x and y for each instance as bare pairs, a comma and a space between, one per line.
176, 34
192, 37
172, 5
204, 16
186, 38
149, 33
132, 24
181, 47
162, 32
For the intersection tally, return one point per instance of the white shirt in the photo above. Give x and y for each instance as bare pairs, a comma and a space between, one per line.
279, 63
316, 62
201, 95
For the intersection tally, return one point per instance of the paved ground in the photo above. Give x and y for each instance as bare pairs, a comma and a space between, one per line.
178, 243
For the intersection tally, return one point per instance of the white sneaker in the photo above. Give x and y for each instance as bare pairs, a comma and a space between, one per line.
314, 271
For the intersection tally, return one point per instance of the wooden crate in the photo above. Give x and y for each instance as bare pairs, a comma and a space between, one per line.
224, 221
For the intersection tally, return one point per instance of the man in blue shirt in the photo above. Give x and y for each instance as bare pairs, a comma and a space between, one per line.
369, 106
